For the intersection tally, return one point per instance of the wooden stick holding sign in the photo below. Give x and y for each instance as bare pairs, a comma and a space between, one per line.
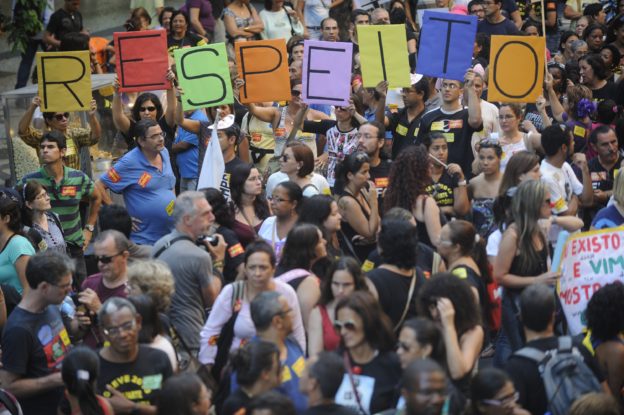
64, 81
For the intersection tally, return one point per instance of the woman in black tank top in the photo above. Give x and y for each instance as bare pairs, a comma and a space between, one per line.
523, 258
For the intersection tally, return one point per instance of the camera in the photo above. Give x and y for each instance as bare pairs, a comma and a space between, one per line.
211, 239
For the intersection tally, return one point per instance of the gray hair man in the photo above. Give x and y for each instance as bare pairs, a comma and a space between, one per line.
197, 277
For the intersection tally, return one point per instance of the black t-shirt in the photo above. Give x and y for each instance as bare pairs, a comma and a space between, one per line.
234, 253
379, 175
457, 131
404, 132
140, 381
424, 259
236, 401
62, 22
189, 40
526, 377
601, 180
442, 191
608, 91
329, 409
393, 290
33, 346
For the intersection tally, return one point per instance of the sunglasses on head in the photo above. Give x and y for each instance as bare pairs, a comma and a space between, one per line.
150, 109
60, 117
348, 325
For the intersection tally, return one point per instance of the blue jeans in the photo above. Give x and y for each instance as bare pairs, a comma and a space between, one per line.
510, 337
23, 71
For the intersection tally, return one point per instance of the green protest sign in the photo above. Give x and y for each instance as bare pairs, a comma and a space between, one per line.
204, 76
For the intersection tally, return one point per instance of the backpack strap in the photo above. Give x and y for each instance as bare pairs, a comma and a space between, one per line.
531, 353
169, 243
564, 344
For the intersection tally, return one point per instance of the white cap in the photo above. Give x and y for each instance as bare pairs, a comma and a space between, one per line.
414, 78
225, 122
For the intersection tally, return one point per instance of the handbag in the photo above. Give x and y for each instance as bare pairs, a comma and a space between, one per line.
410, 295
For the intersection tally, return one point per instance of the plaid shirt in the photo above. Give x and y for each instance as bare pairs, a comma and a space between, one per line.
76, 138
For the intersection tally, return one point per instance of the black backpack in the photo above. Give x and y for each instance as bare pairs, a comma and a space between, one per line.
564, 373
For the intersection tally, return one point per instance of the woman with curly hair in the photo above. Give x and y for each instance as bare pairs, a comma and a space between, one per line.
344, 277
605, 320
409, 177
154, 278
223, 211
251, 208
304, 246
450, 302
368, 344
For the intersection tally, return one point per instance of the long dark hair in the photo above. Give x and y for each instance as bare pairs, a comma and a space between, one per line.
300, 248
221, 208
146, 96
351, 164
316, 210
464, 234
428, 333
80, 371
178, 394
409, 177
151, 325
9, 206
377, 325
348, 264
239, 176
252, 359
29, 191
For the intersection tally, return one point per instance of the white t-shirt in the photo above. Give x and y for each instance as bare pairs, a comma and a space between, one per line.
509, 150
314, 11
268, 232
562, 184
317, 180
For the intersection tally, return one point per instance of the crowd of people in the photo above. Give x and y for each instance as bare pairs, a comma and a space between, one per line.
389, 256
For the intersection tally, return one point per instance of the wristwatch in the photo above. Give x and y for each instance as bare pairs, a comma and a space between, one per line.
90, 228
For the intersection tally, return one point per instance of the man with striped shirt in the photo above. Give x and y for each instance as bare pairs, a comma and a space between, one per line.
67, 187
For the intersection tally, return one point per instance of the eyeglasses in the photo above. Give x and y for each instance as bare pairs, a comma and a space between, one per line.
116, 331
506, 117
449, 86
61, 117
295, 93
347, 325
43, 195
107, 259
504, 401
150, 109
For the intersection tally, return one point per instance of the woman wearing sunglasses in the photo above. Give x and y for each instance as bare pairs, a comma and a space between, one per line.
76, 137
147, 105
522, 259
358, 203
493, 393
367, 344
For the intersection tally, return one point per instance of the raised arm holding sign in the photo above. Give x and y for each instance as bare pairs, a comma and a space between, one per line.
64, 81
141, 60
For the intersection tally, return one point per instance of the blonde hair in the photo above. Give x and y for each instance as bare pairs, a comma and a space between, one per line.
153, 278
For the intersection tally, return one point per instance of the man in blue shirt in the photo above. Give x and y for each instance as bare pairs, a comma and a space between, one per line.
186, 148
495, 23
145, 178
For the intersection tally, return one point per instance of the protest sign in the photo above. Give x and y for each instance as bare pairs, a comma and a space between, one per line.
507, 54
263, 65
204, 76
64, 81
383, 55
446, 45
141, 60
326, 75
589, 261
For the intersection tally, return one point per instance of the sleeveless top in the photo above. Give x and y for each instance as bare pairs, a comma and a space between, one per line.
535, 269
294, 277
513, 148
331, 339
362, 251
483, 215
